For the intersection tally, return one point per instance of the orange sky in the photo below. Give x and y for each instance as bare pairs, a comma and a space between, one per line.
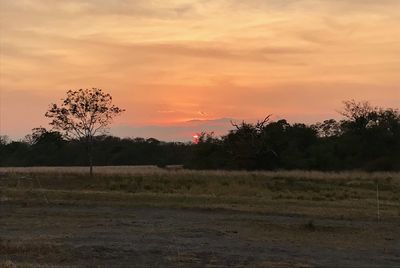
167, 62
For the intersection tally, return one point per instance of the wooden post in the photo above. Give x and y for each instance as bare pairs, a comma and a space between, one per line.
377, 201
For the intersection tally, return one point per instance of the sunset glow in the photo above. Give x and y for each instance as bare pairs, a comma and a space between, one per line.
172, 64
196, 138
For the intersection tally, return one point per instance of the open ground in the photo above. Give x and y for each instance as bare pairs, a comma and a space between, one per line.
150, 217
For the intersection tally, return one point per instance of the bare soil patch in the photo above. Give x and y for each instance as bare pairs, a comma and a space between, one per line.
85, 236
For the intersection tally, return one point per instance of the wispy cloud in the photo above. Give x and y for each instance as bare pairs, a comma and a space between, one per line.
168, 61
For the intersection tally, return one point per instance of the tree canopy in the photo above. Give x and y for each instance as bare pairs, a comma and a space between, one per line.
82, 115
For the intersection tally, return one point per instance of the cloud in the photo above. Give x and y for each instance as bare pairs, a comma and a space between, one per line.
346, 6
136, 8
170, 61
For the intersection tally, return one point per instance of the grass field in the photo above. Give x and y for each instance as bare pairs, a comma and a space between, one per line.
146, 216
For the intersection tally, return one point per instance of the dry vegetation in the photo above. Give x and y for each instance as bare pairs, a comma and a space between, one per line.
57, 216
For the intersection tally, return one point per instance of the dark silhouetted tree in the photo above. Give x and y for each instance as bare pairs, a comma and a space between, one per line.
82, 115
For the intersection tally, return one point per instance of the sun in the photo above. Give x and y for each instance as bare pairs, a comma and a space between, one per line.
196, 138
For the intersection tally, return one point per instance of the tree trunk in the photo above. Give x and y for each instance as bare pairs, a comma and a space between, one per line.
91, 164
90, 155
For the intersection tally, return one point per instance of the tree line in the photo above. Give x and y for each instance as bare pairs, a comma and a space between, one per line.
367, 138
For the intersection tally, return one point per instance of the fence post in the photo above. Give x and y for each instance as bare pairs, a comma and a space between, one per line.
377, 201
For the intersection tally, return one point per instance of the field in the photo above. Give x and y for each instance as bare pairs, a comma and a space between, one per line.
151, 217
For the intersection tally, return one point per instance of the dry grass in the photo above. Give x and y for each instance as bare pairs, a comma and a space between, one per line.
10, 247
137, 170
285, 211
84, 170
299, 185
237, 189
8, 264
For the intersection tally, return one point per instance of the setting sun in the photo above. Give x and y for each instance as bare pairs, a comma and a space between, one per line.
196, 139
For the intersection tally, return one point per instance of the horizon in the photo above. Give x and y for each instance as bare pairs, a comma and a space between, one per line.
178, 132
186, 130
171, 63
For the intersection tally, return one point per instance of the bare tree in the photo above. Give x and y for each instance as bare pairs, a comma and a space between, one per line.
354, 110
82, 115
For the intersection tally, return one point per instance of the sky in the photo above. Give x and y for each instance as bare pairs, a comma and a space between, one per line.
182, 66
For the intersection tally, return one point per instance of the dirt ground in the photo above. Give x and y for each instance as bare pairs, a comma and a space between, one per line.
115, 236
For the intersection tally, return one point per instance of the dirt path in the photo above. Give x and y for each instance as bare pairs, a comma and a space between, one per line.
155, 237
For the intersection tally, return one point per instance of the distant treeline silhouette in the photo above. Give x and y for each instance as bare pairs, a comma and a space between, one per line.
368, 138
